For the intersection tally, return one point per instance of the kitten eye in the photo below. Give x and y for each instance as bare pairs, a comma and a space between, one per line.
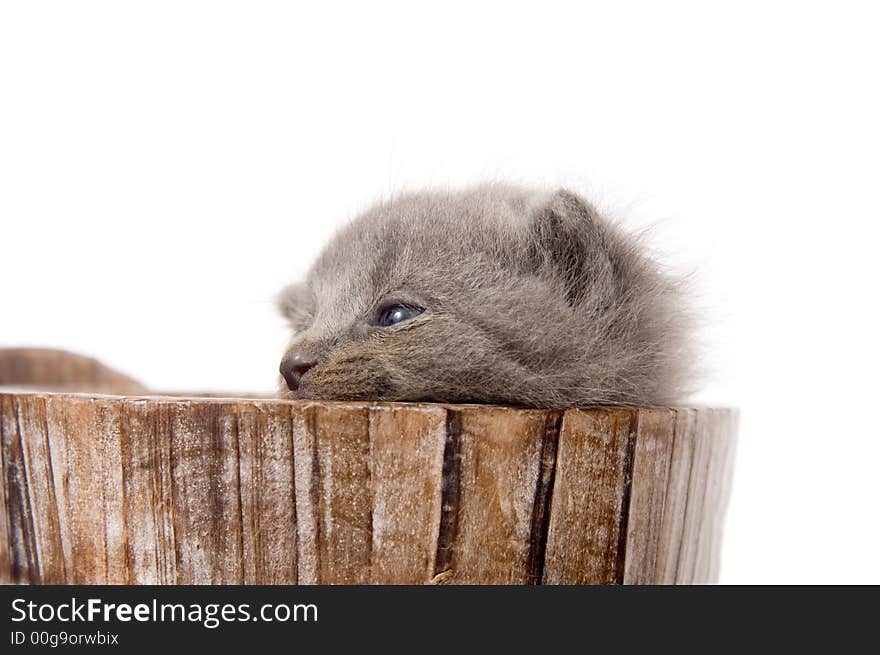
397, 314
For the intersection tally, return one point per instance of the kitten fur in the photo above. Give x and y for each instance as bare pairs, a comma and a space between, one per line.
531, 298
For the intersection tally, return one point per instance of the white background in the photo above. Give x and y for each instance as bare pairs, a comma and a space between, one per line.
165, 167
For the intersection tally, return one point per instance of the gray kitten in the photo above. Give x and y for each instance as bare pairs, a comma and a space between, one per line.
491, 295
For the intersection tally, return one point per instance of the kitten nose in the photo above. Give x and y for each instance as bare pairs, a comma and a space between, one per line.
294, 366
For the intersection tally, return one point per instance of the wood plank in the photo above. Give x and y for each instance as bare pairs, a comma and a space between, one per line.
8, 573
84, 437
731, 435
500, 463
655, 431
718, 431
146, 455
268, 510
671, 530
406, 455
586, 538
693, 519
205, 492
333, 493
22, 518
542, 508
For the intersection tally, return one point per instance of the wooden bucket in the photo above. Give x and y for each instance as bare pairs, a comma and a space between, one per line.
148, 489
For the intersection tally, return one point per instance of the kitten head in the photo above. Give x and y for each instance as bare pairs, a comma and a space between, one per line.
492, 295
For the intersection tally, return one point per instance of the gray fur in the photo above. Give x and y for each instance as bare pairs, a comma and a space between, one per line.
530, 299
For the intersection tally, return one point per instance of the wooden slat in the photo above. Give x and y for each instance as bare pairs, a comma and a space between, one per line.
542, 505
650, 476
9, 505
146, 454
334, 504
672, 523
500, 462
717, 496
692, 521
84, 436
406, 456
719, 512
205, 493
268, 509
586, 539
31, 519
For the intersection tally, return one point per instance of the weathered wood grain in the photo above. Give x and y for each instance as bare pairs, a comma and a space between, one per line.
333, 494
406, 457
146, 454
650, 477
190, 490
716, 497
499, 467
8, 540
692, 525
266, 498
587, 535
672, 523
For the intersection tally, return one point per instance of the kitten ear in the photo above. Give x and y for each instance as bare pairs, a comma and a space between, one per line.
567, 235
296, 303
